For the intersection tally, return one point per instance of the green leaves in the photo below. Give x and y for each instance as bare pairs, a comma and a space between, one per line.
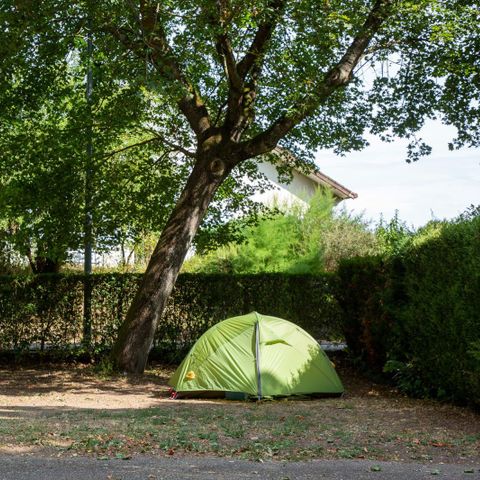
291, 238
422, 63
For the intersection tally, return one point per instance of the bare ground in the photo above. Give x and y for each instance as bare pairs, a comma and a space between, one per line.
71, 411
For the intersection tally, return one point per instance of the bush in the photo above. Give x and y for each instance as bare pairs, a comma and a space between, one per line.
294, 240
362, 292
417, 312
439, 327
40, 312
45, 312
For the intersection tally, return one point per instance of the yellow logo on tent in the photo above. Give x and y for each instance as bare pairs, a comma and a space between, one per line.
190, 375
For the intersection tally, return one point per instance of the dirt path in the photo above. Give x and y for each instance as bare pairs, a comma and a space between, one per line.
78, 388
72, 412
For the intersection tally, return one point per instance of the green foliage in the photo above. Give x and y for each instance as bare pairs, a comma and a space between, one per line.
425, 303
44, 164
45, 312
160, 55
439, 325
394, 235
10, 260
34, 312
346, 235
292, 239
434, 77
362, 296
407, 377
46, 123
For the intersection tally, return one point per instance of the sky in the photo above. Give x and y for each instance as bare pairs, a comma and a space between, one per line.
439, 186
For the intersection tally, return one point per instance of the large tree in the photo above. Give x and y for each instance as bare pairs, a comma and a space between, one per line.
239, 78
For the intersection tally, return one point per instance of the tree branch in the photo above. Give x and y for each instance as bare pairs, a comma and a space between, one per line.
172, 145
255, 53
242, 95
154, 45
128, 147
379, 47
224, 49
339, 76
156, 138
223, 44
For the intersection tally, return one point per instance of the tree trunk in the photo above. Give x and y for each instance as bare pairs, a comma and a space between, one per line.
41, 264
135, 337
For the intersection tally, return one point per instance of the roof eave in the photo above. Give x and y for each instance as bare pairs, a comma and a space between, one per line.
338, 189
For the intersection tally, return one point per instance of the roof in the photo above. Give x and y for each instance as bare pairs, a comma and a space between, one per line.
321, 179
338, 189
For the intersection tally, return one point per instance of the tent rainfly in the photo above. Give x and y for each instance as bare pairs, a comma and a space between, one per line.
258, 356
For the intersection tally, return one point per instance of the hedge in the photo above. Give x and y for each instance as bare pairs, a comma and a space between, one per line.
45, 312
417, 314
362, 292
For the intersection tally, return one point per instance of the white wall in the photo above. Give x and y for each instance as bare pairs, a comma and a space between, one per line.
301, 188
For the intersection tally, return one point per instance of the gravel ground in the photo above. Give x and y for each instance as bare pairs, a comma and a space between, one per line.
82, 468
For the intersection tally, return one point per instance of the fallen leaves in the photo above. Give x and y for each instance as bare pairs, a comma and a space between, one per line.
440, 444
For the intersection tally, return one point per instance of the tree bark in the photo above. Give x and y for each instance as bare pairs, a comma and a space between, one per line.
135, 337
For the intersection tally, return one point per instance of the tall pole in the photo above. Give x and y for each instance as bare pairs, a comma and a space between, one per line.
88, 191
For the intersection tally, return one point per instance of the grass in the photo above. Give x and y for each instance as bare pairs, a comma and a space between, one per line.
368, 423
283, 430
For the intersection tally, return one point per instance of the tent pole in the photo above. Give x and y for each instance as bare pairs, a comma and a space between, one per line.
257, 359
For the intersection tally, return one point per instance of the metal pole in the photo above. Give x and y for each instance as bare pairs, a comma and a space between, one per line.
257, 358
88, 235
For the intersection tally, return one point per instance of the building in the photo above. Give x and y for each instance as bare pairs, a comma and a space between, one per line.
301, 188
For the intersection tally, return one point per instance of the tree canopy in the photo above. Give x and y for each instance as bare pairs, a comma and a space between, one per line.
283, 60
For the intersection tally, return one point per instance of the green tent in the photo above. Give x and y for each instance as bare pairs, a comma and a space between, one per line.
255, 355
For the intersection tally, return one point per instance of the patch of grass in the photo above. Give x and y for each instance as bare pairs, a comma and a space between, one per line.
350, 452
232, 429
244, 430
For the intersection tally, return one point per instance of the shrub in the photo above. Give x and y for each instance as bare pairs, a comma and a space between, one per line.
439, 327
45, 311
295, 240
362, 292
417, 312
40, 311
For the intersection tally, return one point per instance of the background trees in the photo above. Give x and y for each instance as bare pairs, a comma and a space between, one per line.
46, 124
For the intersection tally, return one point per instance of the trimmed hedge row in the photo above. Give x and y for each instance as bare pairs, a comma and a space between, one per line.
45, 312
417, 315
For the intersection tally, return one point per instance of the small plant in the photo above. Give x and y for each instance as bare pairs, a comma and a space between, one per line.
350, 452
233, 430
105, 367
407, 378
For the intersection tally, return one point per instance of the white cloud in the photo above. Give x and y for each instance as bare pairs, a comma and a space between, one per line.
444, 183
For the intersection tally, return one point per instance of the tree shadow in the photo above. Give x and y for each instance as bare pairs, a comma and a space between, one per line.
36, 381
169, 408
